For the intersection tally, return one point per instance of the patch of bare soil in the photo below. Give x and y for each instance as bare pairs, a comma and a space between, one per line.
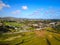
40, 33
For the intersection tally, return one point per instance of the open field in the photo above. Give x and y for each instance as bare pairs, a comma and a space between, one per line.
31, 38
29, 33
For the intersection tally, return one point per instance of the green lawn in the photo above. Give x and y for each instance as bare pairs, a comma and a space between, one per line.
14, 24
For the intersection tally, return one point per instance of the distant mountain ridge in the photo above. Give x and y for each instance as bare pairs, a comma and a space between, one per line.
19, 19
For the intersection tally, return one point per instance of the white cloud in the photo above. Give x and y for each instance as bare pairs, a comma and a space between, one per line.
38, 11
16, 12
3, 5
24, 7
49, 11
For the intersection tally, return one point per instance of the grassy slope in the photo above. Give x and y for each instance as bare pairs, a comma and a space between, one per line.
31, 39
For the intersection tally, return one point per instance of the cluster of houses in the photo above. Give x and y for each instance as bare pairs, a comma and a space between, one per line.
36, 26
40, 26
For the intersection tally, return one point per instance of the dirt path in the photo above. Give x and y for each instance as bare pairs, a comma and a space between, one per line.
40, 33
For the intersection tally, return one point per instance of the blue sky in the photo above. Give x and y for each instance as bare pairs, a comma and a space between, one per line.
38, 9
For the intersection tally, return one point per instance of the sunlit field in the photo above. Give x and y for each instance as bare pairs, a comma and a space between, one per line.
31, 35
31, 38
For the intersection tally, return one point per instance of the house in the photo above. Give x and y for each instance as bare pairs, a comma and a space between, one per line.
1, 24
58, 23
35, 25
53, 23
41, 23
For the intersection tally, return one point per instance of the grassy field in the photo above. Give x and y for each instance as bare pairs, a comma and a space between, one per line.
14, 23
35, 37
30, 38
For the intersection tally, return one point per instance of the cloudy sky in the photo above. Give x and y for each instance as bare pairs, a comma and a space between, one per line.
38, 9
